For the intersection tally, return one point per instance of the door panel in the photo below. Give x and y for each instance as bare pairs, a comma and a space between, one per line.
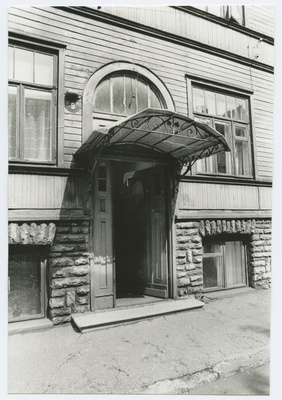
102, 276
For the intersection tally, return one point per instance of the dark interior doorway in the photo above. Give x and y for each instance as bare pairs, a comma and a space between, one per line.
140, 230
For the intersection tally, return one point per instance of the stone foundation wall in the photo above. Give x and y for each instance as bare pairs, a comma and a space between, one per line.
189, 251
69, 275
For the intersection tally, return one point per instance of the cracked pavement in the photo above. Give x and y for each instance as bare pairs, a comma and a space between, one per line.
132, 358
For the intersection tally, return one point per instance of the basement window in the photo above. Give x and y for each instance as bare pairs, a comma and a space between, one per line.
26, 282
224, 264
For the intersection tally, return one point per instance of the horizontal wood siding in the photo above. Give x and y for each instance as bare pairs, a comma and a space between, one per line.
260, 18
46, 192
90, 44
199, 29
193, 196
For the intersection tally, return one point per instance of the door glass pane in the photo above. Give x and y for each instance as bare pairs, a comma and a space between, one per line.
242, 110
155, 102
234, 264
25, 297
11, 62
220, 105
130, 95
102, 97
118, 95
24, 65
12, 121
37, 125
212, 274
223, 158
199, 101
210, 102
43, 69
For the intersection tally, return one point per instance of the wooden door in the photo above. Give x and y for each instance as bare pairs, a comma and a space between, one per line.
147, 232
102, 274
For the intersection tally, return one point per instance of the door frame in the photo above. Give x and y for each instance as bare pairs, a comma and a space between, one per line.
169, 179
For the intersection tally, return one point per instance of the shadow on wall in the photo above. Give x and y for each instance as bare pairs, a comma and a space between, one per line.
69, 257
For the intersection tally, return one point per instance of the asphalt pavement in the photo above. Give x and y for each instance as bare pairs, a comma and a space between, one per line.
171, 354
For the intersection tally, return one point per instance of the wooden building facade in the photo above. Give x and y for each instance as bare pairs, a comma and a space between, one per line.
90, 227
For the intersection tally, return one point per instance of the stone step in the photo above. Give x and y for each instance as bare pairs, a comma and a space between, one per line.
90, 321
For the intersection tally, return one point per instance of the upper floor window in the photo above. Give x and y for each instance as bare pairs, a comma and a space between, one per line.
126, 94
32, 100
234, 13
229, 115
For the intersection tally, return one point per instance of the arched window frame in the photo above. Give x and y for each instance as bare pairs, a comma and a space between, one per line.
102, 73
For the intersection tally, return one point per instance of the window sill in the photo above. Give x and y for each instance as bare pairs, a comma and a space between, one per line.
228, 179
28, 326
43, 169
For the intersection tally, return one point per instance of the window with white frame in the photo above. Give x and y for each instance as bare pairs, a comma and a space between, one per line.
32, 103
224, 263
229, 114
233, 13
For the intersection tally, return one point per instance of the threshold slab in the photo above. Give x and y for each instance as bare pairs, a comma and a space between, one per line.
85, 322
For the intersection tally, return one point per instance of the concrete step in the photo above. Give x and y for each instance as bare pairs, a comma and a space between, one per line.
90, 321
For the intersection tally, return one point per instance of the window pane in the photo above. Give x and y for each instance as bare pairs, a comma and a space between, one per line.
220, 105
43, 69
231, 107
12, 121
130, 95
102, 97
211, 272
142, 96
241, 131
24, 65
242, 110
234, 264
199, 100
155, 102
11, 62
224, 158
210, 102
118, 95
216, 10
242, 158
37, 125
236, 12
25, 287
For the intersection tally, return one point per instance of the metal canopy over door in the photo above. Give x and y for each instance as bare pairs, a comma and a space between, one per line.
147, 261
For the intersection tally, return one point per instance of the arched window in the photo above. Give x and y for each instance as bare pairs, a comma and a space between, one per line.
125, 94
118, 90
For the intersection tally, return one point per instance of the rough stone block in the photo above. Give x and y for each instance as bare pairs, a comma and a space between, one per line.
80, 229
82, 300
267, 248
197, 283
197, 252
223, 226
59, 273
78, 271
60, 238
182, 239
56, 312
265, 237
70, 298
189, 256
181, 254
213, 227
63, 229
196, 239
69, 282
258, 270
183, 282
58, 293
61, 262
197, 259
57, 302
258, 263
81, 261
80, 308
61, 320
195, 278
180, 261
190, 267
181, 274
207, 227
218, 226
61, 248
202, 228
82, 290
